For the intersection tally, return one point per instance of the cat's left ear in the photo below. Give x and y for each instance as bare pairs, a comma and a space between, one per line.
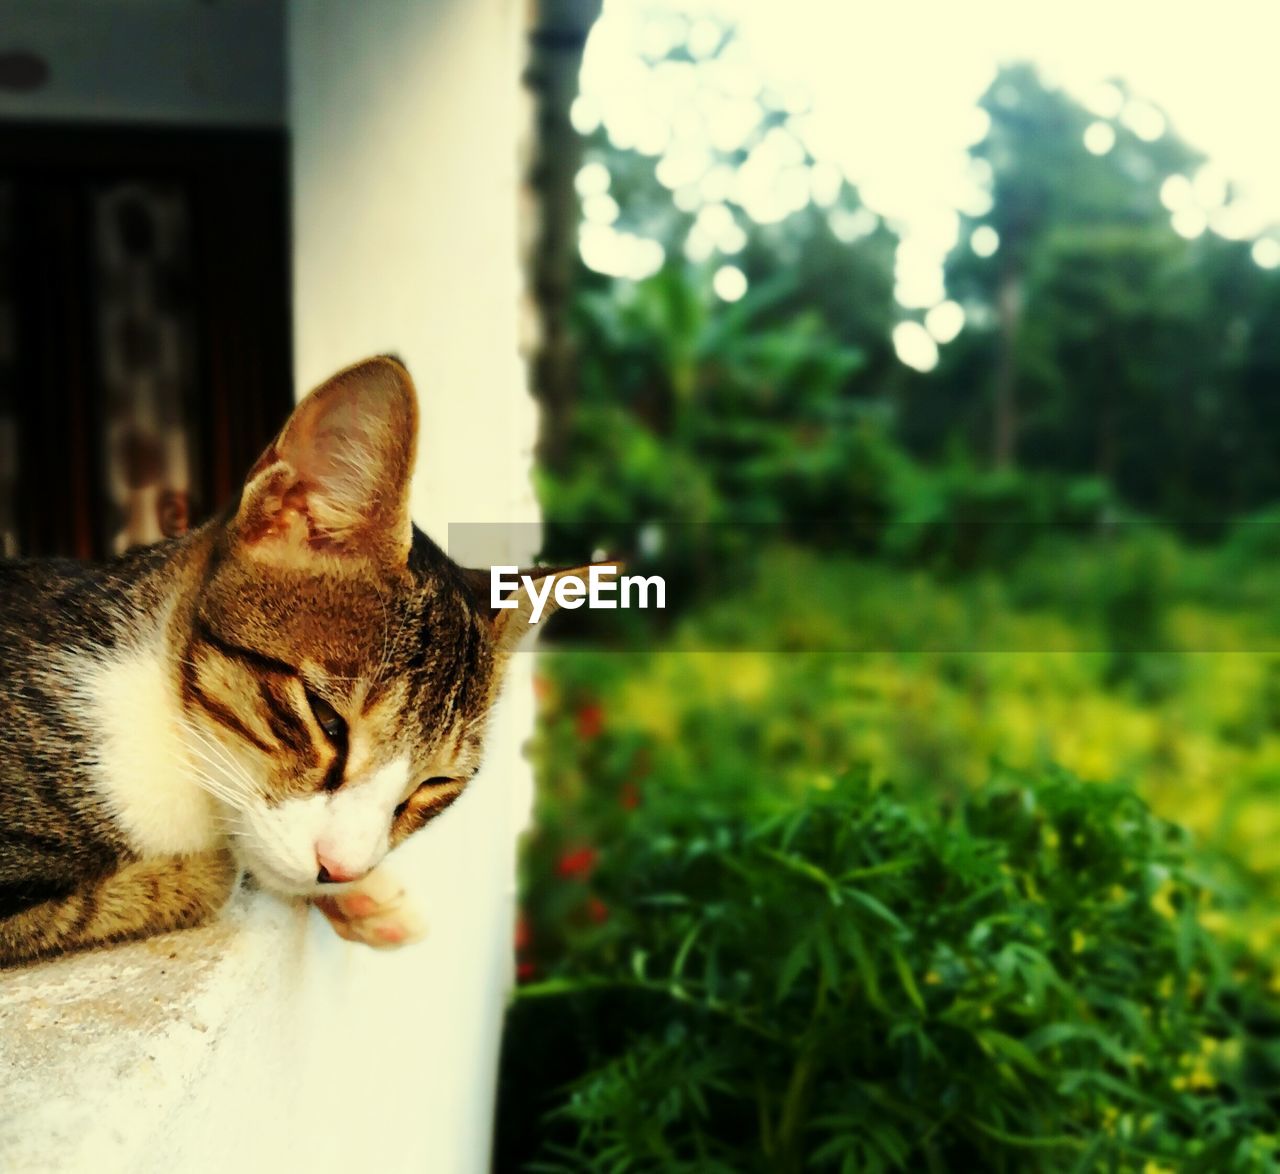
336, 479
537, 595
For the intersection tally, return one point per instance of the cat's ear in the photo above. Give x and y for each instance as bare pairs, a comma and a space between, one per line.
336, 479
516, 612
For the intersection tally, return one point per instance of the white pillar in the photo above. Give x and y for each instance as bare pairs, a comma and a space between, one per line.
405, 116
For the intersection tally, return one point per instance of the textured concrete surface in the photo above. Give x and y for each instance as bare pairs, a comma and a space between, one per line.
99, 1051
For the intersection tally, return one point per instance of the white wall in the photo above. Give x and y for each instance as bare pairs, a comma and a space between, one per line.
405, 130
405, 120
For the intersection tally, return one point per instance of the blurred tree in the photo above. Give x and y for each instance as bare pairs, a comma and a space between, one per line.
1099, 342
557, 35
703, 411
1133, 354
1043, 180
1254, 297
704, 407
848, 282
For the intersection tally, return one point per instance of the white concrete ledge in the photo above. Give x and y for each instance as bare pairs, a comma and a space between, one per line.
263, 1042
104, 1053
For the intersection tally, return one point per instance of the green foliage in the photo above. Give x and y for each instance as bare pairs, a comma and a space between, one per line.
667, 779
713, 417
1137, 365
1254, 540
703, 414
741, 949
716, 417
1133, 600
832, 980
958, 518
1126, 350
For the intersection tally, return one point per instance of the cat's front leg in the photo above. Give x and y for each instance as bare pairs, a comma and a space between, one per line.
375, 911
141, 898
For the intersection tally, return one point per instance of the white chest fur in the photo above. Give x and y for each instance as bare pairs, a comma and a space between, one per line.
141, 765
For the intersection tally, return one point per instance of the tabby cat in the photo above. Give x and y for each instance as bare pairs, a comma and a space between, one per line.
290, 690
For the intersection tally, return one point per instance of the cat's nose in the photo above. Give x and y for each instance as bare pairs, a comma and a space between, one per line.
330, 873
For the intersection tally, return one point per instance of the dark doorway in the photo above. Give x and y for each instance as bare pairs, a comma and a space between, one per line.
144, 328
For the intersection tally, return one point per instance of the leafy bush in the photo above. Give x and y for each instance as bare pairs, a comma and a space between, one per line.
837, 981
1254, 539
710, 415
958, 518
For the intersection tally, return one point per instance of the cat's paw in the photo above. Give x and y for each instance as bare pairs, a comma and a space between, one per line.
374, 911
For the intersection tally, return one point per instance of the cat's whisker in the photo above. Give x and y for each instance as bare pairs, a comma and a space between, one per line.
220, 768
384, 660
263, 831
268, 833
218, 790
225, 756
217, 784
199, 775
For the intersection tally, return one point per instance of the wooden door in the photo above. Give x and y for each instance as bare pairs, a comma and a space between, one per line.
144, 328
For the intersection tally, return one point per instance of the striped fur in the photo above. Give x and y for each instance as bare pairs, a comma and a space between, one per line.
292, 690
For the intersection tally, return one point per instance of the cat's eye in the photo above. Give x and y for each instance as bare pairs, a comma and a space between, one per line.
328, 719
434, 781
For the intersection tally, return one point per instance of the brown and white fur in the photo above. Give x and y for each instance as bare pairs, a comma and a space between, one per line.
292, 690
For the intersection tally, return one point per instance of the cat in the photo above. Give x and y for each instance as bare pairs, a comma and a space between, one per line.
290, 690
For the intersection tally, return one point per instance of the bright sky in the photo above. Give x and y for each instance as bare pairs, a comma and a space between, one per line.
892, 89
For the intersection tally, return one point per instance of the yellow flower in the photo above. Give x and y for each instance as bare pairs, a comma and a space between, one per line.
1202, 1078
1214, 920
1160, 900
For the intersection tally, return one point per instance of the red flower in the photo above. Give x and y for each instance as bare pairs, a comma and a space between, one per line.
523, 934
590, 720
525, 971
597, 910
576, 864
630, 796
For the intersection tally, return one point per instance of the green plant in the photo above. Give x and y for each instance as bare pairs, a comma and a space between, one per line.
836, 980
